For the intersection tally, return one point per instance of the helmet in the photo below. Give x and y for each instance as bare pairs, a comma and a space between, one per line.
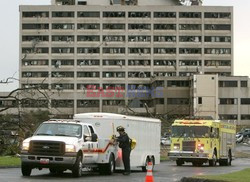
120, 128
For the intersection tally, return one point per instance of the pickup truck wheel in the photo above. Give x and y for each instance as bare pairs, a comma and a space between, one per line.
77, 168
111, 165
179, 162
26, 170
52, 170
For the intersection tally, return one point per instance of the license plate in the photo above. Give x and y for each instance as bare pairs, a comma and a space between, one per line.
44, 161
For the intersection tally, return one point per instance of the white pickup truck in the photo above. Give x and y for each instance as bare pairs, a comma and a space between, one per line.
67, 144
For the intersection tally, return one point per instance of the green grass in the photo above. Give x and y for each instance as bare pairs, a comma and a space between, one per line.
8, 161
240, 176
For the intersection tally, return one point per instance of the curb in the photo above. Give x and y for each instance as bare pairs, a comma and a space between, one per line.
198, 180
6, 167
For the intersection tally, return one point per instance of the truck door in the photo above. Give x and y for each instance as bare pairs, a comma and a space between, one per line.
94, 144
87, 145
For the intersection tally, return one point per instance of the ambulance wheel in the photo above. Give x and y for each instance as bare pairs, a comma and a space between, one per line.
26, 170
77, 168
179, 162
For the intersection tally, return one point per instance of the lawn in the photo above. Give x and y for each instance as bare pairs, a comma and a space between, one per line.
9, 161
240, 176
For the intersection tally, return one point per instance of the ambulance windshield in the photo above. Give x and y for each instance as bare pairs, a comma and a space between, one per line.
190, 131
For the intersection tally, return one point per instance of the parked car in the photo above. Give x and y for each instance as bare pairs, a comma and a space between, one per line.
165, 141
244, 133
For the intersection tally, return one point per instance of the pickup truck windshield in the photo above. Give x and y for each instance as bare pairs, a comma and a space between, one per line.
190, 131
60, 129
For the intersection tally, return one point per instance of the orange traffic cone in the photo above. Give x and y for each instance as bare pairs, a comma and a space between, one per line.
149, 176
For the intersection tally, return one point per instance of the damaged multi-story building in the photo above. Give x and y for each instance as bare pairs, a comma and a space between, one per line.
132, 56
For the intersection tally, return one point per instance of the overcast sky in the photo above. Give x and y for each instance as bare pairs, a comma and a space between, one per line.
9, 36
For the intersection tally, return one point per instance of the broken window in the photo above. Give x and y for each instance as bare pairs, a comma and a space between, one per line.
228, 101
113, 74
138, 26
164, 50
245, 101
164, 62
62, 86
189, 62
62, 62
228, 84
36, 39
64, 38
38, 26
164, 26
217, 27
217, 51
87, 86
35, 74
88, 14
186, 73
113, 102
87, 38
217, 39
36, 85
114, 26
190, 14
158, 83
63, 14
217, 62
62, 50
218, 15
178, 83
62, 103
138, 62
139, 14
228, 116
113, 62
88, 50
190, 51
35, 50
35, 62
87, 103
34, 103
114, 86
63, 26
88, 74
91, 26
178, 101
115, 50
114, 14
245, 117
62, 74
164, 38
140, 74
139, 38
88, 62
190, 39
243, 83
164, 14
113, 38
189, 27
139, 51
37, 14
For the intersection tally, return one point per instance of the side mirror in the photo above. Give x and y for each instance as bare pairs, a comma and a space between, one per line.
87, 138
94, 137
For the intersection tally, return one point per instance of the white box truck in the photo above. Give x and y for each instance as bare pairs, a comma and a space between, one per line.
146, 132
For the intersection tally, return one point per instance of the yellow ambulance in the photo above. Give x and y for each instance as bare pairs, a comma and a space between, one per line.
201, 141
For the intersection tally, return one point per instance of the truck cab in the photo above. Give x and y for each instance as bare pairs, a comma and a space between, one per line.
67, 144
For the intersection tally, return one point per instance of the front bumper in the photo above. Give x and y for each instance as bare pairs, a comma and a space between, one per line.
188, 156
35, 161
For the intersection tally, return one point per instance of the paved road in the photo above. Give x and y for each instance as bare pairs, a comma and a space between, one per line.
166, 171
